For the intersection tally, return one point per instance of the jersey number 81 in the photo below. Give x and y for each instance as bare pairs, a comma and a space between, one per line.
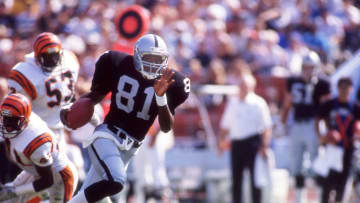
129, 96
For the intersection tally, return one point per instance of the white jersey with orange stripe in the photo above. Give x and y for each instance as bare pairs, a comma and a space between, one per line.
48, 91
36, 146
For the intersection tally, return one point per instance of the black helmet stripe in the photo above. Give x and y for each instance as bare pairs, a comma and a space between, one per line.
13, 107
156, 41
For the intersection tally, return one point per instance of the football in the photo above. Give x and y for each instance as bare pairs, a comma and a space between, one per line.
80, 113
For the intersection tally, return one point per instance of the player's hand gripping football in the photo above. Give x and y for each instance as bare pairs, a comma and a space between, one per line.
63, 115
163, 83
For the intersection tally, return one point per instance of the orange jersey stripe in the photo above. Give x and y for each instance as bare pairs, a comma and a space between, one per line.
36, 199
68, 179
36, 143
24, 83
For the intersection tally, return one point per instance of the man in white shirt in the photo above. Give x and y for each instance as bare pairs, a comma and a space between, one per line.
248, 123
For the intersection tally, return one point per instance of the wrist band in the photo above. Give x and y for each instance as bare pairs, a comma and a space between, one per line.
161, 100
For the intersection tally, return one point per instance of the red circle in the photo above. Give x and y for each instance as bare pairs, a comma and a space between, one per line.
130, 24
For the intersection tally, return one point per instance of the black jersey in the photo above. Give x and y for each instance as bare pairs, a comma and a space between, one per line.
306, 96
340, 116
133, 106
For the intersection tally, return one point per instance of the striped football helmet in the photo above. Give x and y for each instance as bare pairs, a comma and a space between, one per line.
15, 112
48, 51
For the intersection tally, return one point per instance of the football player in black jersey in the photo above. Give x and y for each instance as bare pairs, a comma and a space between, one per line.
304, 94
142, 88
340, 116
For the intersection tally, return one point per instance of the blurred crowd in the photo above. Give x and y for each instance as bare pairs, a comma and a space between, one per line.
204, 36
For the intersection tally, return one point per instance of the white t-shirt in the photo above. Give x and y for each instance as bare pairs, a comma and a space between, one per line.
246, 118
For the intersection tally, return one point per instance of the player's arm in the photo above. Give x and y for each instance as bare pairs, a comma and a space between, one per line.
94, 96
100, 86
19, 83
321, 119
286, 109
42, 159
44, 181
177, 88
101, 82
153, 132
161, 85
287, 105
318, 121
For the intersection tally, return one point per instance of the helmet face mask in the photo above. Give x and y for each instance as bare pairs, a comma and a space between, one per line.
11, 126
49, 61
150, 56
48, 51
15, 112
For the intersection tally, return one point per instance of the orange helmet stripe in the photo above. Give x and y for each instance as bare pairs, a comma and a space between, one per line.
26, 103
36, 143
11, 106
19, 104
44, 40
24, 83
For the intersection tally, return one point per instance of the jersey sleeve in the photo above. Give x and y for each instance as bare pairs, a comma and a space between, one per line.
178, 92
42, 155
102, 79
18, 82
15, 87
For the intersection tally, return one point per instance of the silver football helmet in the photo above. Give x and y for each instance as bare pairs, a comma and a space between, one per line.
311, 59
310, 64
150, 56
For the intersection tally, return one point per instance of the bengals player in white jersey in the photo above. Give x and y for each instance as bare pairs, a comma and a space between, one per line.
30, 144
47, 77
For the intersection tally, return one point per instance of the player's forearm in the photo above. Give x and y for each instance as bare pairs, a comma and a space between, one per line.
94, 96
284, 115
317, 126
45, 181
46, 178
286, 109
166, 120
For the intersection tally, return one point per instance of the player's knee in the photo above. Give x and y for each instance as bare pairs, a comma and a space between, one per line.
114, 187
102, 189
